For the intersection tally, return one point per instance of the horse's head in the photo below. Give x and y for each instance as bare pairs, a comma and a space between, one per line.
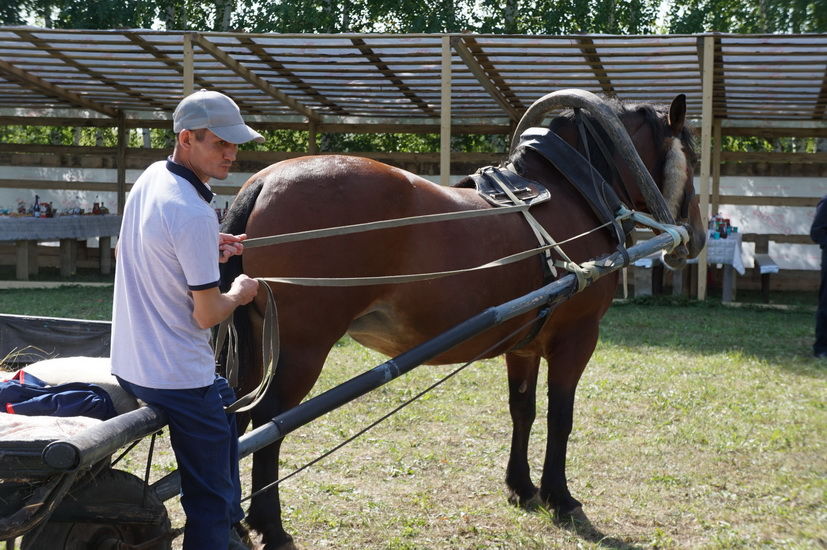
664, 143
652, 171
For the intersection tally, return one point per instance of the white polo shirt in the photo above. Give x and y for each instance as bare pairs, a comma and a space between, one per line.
168, 246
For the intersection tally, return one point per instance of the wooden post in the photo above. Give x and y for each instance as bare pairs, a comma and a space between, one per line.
312, 144
22, 268
68, 257
445, 115
705, 149
716, 166
120, 162
189, 72
105, 251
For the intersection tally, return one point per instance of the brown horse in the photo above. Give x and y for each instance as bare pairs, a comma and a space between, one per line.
325, 191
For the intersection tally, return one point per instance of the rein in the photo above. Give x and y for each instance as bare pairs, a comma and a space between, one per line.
270, 350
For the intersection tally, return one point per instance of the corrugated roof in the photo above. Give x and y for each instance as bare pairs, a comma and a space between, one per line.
397, 78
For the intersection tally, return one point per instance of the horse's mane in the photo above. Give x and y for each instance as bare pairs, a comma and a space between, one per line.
655, 116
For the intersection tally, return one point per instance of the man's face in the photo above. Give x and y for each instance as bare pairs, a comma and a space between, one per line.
211, 156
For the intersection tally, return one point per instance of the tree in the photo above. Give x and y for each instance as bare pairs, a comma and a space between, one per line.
748, 16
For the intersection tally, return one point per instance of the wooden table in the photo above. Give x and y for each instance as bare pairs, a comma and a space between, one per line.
724, 252
26, 232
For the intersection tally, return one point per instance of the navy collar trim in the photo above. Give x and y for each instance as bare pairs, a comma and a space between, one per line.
189, 175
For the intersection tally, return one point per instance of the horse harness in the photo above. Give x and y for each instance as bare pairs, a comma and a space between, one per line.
503, 186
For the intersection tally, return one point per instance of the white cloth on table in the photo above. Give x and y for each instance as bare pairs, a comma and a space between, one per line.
62, 227
724, 251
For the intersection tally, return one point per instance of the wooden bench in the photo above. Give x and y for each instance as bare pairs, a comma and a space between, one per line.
765, 265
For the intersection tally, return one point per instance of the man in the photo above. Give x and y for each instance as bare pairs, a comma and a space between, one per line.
818, 232
167, 298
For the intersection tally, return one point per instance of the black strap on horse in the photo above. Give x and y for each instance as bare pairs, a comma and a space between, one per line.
270, 350
580, 173
601, 185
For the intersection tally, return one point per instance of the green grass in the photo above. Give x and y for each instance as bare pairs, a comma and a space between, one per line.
696, 426
76, 302
83, 275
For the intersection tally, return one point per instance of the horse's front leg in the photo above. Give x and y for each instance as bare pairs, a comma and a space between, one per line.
522, 402
571, 352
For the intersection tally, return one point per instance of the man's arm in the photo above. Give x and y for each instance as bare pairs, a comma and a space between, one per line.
211, 307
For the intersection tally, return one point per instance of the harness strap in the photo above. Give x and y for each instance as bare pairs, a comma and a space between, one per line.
620, 234
270, 354
539, 231
381, 224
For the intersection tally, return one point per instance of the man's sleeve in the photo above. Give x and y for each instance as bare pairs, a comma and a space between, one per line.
818, 231
196, 246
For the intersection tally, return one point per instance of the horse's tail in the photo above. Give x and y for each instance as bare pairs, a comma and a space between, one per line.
235, 223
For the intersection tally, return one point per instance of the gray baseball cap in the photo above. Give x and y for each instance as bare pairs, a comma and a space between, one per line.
216, 112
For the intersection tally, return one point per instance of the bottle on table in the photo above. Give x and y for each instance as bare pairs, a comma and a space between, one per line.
36, 207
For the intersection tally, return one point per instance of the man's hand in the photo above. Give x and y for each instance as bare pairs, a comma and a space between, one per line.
244, 289
211, 307
229, 245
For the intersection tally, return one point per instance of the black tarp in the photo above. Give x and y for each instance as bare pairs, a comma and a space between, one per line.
27, 339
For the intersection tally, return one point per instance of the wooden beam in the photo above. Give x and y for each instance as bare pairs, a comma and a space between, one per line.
716, 165
189, 81
123, 143
45, 46
445, 114
774, 124
719, 76
390, 75
776, 238
492, 84
35, 83
312, 145
187, 59
740, 200
774, 157
590, 53
706, 50
253, 78
283, 71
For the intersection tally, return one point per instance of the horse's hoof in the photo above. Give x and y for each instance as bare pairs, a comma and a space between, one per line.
528, 501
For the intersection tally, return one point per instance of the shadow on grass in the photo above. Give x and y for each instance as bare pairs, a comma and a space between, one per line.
709, 328
580, 525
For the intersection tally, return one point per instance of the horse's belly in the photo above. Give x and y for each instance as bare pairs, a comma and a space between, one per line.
381, 332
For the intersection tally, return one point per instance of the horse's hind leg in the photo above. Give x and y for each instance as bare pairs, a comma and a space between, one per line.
522, 386
571, 352
295, 376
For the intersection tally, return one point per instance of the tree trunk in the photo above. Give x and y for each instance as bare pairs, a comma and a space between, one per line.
510, 17
223, 15
610, 22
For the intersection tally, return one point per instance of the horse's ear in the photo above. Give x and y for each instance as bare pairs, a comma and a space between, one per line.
677, 114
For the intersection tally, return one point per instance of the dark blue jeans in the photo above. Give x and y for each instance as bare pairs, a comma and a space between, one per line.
820, 345
205, 442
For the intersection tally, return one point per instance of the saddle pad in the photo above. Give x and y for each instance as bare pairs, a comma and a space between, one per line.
484, 181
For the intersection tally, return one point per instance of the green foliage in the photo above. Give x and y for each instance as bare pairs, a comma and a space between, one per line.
750, 16
758, 144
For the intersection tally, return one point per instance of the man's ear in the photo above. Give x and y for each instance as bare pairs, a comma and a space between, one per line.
184, 138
